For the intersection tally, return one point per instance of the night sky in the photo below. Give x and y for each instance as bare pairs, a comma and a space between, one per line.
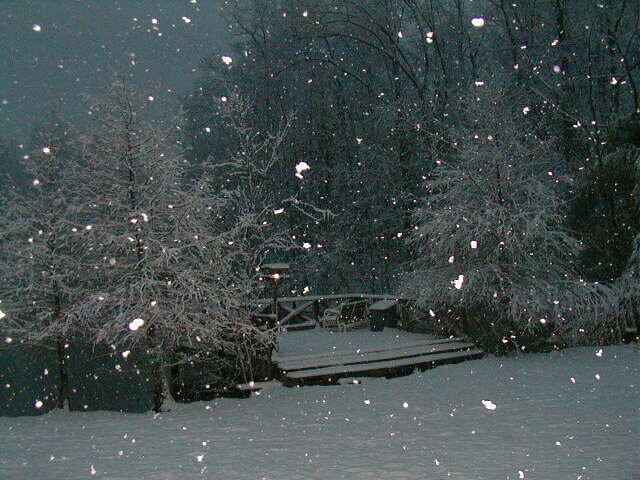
54, 51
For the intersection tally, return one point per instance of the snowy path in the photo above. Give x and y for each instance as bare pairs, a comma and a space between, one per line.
569, 415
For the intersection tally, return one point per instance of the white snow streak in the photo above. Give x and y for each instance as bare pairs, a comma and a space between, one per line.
489, 405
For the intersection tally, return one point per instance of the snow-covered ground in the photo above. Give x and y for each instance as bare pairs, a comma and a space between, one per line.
565, 415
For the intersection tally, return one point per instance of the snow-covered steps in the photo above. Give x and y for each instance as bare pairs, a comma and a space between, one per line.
371, 358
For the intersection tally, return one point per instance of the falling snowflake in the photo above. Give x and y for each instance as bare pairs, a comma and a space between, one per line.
36, 27
477, 22
2, 314
38, 404
136, 324
227, 60
458, 282
474, 244
301, 167
186, 19
306, 245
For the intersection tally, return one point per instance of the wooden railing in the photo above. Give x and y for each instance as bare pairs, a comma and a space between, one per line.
307, 310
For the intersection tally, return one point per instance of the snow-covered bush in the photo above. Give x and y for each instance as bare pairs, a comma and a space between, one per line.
629, 288
489, 242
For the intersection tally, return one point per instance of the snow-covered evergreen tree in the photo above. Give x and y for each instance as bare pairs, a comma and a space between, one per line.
489, 240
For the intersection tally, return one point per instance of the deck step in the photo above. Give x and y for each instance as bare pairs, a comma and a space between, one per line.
361, 368
372, 356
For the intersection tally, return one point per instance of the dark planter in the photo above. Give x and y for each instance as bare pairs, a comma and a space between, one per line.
383, 313
377, 321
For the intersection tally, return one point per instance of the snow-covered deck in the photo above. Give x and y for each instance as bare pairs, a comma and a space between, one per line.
322, 356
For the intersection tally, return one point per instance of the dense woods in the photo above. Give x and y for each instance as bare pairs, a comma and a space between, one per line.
481, 157
429, 125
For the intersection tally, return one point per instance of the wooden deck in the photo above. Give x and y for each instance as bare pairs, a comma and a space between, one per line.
321, 357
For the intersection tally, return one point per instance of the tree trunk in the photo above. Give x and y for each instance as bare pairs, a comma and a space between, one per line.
160, 384
63, 384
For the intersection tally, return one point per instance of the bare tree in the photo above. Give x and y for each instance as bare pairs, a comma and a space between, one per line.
171, 259
39, 264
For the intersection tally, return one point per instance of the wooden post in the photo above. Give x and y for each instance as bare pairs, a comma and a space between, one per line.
63, 366
275, 303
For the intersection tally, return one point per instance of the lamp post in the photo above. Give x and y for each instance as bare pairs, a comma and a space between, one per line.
276, 273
